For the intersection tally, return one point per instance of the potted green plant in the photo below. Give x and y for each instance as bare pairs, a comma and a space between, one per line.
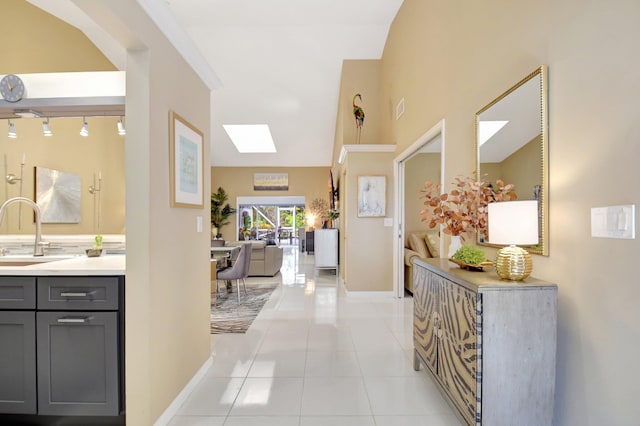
220, 211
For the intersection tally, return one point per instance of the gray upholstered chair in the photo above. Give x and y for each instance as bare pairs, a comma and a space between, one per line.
239, 270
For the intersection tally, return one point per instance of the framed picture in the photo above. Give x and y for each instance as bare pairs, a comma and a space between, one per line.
270, 181
186, 163
372, 196
58, 195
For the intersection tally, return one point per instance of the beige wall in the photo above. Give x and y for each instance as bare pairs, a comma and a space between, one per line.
522, 169
367, 264
358, 76
34, 41
101, 152
310, 182
448, 60
38, 50
168, 273
418, 169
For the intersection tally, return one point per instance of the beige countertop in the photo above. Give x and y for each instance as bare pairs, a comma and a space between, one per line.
63, 265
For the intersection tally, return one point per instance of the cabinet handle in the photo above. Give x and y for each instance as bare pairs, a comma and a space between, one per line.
77, 294
74, 320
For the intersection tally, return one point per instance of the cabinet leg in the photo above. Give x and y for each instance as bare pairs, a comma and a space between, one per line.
416, 361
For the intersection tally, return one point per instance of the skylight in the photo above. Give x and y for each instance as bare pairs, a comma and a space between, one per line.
250, 138
486, 130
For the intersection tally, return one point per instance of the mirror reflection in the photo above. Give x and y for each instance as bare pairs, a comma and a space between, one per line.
511, 145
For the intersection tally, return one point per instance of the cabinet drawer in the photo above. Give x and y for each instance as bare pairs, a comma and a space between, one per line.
78, 293
17, 292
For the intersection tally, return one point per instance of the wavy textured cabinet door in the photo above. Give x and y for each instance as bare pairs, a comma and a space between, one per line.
425, 317
458, 364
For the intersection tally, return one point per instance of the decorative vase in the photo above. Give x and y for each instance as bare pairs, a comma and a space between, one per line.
214, 232
454, 245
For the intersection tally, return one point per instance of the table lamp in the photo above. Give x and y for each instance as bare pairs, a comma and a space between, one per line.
511, 223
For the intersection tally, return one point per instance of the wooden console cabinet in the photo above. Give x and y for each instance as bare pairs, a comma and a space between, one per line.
489, 344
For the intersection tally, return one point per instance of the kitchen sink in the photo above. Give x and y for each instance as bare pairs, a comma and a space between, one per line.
26, 260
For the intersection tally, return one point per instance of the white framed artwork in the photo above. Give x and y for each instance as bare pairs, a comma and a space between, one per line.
372, 193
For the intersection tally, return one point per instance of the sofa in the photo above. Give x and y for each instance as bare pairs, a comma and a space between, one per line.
266, 260
419, 244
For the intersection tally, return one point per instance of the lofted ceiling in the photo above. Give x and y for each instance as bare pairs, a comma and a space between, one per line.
279, 63
275, 62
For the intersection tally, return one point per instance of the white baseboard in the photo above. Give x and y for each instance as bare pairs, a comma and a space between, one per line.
175, 405
366, 294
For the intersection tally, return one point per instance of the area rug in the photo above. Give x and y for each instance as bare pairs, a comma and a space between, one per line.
227, 316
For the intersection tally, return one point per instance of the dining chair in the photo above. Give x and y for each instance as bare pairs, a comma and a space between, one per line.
239, 270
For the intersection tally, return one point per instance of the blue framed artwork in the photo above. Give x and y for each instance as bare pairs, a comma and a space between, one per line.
187, 163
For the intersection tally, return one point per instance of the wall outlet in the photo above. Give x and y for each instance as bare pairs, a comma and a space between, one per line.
614, 222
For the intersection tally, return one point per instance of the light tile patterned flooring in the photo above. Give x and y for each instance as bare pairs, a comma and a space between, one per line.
314, 357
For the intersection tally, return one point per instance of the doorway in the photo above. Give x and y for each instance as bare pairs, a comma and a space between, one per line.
271, 218
433, 141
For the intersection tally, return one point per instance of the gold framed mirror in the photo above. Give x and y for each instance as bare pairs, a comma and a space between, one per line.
512, 145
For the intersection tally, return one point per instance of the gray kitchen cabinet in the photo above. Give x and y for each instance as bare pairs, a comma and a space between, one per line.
77, 363
62, 347
489, 344
17, 362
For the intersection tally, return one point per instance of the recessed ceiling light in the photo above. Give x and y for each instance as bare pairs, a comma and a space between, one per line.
250, 138
486, 130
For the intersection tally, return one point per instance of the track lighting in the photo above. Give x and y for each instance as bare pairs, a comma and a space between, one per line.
121, 130
12, 130
45, 128
85, 128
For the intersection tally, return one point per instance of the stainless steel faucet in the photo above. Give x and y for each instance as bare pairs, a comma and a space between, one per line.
38, 249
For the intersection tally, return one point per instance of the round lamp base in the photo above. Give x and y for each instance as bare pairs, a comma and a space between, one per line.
513, 263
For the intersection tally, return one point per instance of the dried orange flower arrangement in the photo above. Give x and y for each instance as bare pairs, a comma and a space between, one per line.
463, 210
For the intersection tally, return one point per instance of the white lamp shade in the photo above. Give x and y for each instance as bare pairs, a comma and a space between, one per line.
513, 222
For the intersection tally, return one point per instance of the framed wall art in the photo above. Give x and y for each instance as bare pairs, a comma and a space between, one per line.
372, 196
186, 163
270, 181
58, 195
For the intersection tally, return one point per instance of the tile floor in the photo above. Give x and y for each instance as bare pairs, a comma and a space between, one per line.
314, 357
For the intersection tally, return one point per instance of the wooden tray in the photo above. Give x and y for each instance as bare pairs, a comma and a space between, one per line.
478, 267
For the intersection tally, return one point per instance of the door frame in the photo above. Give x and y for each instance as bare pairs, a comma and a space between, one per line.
437, 131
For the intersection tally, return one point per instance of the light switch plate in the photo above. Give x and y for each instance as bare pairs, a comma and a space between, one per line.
198, 223
614, 222
388, 221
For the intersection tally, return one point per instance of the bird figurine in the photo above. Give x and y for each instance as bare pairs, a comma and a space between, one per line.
358, 113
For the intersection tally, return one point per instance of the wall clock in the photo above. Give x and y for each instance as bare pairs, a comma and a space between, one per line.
11, 88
